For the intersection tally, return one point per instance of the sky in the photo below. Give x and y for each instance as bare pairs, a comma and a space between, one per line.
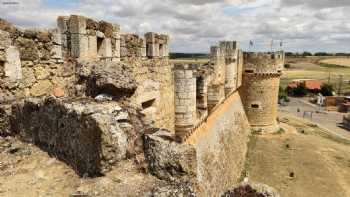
195, 25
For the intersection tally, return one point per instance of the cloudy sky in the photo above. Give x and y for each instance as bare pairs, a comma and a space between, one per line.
194, 25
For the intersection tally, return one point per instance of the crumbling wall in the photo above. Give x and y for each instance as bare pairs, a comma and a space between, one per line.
31, 64
88, 136
155, 91
212, 158
115, 80
132, 45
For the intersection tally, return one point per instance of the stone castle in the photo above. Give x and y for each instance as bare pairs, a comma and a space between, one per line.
93, 95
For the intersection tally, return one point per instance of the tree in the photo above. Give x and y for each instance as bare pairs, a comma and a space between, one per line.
300, 90
327, 89
307, 54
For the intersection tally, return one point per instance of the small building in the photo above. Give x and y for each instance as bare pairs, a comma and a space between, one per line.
312, 85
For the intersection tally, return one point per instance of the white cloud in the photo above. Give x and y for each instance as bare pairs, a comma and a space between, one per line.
194, 25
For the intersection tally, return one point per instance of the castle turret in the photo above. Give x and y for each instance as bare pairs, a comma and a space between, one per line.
259, 91
185, 99
230, 52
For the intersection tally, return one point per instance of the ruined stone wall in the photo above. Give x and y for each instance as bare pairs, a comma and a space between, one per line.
155, 91
212, 158
259, 91
90, 40
31, 64
90, 137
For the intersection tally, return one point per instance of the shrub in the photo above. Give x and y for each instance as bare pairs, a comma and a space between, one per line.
327, 89
300, 90
282, 95
287, 66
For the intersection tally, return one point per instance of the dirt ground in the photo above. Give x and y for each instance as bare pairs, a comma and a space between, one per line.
29, 172
301, 161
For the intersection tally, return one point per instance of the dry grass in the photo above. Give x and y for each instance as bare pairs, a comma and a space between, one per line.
303, 69
337, 61
306, 163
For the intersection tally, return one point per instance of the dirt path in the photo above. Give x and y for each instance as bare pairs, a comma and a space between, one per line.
29, 172
306, 163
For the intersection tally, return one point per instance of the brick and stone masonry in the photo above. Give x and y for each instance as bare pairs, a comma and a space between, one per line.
230, 52
185, 99
259, 91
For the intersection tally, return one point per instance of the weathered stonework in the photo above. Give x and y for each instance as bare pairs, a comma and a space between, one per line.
260, 87
88, 136
91, 69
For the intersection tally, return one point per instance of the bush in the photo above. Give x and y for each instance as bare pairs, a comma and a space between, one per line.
300, 90
282, 95
287, 66
327, 89
306, 54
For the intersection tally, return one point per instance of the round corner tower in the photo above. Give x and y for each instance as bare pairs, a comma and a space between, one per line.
259, 91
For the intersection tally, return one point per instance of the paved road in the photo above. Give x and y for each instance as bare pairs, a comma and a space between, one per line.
327, 120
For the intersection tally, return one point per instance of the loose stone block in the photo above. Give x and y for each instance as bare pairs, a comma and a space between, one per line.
12, 68
88, 136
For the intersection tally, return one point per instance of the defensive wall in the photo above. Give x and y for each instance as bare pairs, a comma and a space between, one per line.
120, 88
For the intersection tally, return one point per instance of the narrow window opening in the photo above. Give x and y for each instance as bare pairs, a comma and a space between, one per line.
148, 104
99, 46
256, 106
161, 47
249, 71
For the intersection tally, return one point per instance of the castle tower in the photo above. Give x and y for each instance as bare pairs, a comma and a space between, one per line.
216, 90
230, 52
185, 99
259, 91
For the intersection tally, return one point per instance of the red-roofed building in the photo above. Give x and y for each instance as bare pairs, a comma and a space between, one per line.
310, 84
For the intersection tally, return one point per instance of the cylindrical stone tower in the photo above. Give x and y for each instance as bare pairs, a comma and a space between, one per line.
259, 91
185, 99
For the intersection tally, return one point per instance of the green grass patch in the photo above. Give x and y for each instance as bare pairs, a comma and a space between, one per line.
326, 65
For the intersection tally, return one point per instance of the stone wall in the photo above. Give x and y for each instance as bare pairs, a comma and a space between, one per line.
155, 91
31, 64
90, 137
86, 39
221, 145
211, 159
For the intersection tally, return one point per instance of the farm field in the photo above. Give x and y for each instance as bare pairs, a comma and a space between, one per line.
337, 61
305, 68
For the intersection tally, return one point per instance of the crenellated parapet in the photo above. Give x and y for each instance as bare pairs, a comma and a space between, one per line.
260, 86
86, 39
230, 52
263, 63
157, 45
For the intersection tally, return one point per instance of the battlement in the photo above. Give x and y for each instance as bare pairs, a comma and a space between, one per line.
229, 49
263, 63
86, 39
